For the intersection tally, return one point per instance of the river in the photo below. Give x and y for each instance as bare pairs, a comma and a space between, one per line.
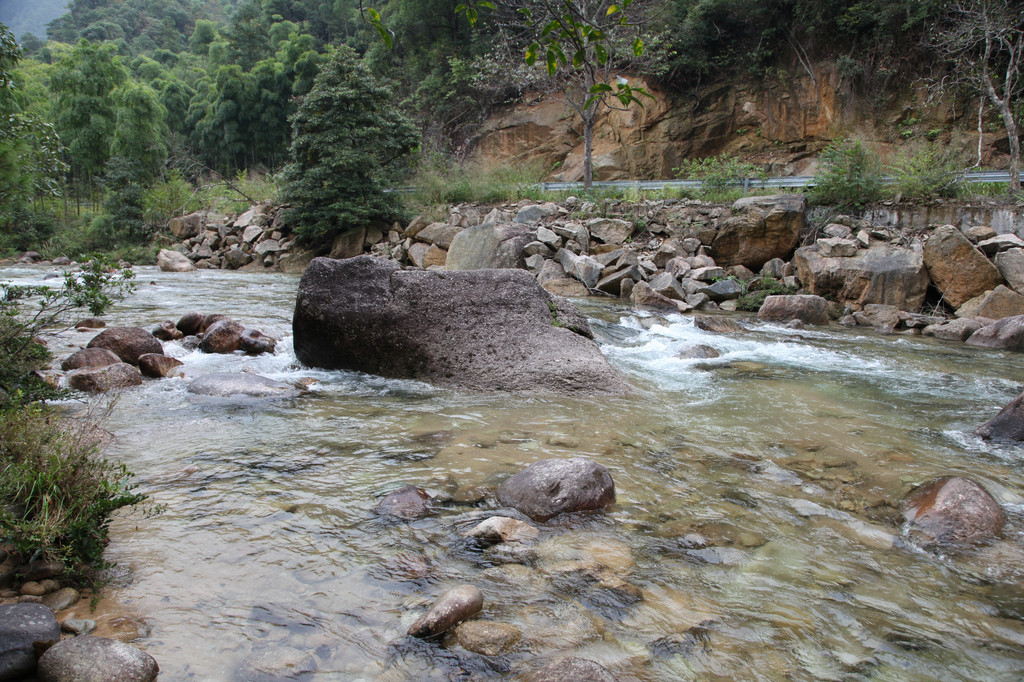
757, 525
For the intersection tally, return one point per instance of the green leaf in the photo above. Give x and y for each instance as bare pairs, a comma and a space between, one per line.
599, 88
488, 5
577, 59
638, 46
549, 28
374, 15
552, 62
531, 54
602, 54
612, 10
384, 35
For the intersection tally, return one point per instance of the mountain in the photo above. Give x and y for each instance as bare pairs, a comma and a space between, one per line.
25, 16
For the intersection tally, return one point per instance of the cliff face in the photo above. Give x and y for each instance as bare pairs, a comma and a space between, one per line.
781, 124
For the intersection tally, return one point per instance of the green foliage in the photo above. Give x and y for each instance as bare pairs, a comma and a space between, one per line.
439, 181
756, 290
927, 171
848, 175
347, 142
57, 493
719, 175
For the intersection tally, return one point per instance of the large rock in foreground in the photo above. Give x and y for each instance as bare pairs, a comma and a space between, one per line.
483, 330
21, 627
82, 659
954, 510
554, 486
103, 379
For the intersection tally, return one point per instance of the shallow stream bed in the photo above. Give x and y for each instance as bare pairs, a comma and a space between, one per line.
757, 527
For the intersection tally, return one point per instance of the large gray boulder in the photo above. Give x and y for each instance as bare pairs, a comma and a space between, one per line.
481, 330
88, 658
882, 274
21, 626
1006, 334
555, 486
760, 229
489, 246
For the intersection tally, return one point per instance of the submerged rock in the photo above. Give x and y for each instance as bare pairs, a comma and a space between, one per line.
127, 343
698, 352
572, 669
1008, 424
83, 659
481, 330
21, 627
406, 503
225, 385
453, 607
954, 510
488, 639
554, 486
503, 529
717, 324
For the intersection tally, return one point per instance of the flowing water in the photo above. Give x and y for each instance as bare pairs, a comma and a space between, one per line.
756, 533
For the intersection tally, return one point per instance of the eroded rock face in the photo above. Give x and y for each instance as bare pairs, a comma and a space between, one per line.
882, 274
21, 625
954, 510
806, 308
103, 379
555, 486
127, 343
1008, 424
480, 330
96, 658
454, 606
958, 269
760, 229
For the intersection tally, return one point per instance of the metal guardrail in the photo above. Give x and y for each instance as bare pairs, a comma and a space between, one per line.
748, 184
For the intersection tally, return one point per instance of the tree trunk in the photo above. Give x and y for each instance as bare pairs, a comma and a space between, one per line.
1014, 140
589, 118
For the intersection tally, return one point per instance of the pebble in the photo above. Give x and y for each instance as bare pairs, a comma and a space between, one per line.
61, 599
453, 607
33, 588
78, 626
503, 529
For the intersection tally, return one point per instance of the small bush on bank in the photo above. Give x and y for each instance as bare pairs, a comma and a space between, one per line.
439, 181
928, 171
720, 176
759, 289
849, 176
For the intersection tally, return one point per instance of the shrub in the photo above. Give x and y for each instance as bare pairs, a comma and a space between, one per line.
721, 176
438, 180
848, 175
928, 171
759, 289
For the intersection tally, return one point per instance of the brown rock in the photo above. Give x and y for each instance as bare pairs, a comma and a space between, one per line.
254, 342
454, 606
127, 343
1007, 334
405, 503
717, 324
486, 638
90, 323
166, 331
89, 357
349, 244
1011, 267
954, 330
159, 366
645, 297
555, 486
191, 323
102, 379
996, 304
953, 510
958, 269
435, 256
439, 234
760, 229
1008, 424
806, 308
223, 336
566, 286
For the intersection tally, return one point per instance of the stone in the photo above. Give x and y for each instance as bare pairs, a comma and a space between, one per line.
1011, 267
88, 658
1007, 425
612, 284
953, 510
166, 331
227, 385
60, 599
549, 238
277, 662
996, 304
89, 357
127, 343
267, 246
572, 669
643, 296
717, 324
837, 248
90, 323
775, 268
1000, 243
979, 233
235, 258
348, 244
191, 323
954, 330
254, 342
453, 607
103, 379
480, 330
610, 230
22, 626
489, 246
838, 231
663, 283
807, 308
439, 234
503, 529
417, 252
186, 226
405, 503
883, 274
708, 273
536, 212
566, 287
173, 261
585, 269
78, 626
223, 336
159, 366
435, 257
698, 352
550, 487
958, 269
760, 229
879, 316
1006, 334
724, 290
487, 638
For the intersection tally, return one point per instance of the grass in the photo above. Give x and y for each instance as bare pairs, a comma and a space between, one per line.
756, 290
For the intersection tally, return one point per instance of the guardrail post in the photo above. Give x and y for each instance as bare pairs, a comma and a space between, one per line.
746, 186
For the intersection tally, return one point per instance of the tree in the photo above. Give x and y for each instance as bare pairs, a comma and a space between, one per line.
347, 140
580, 43
984, 42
